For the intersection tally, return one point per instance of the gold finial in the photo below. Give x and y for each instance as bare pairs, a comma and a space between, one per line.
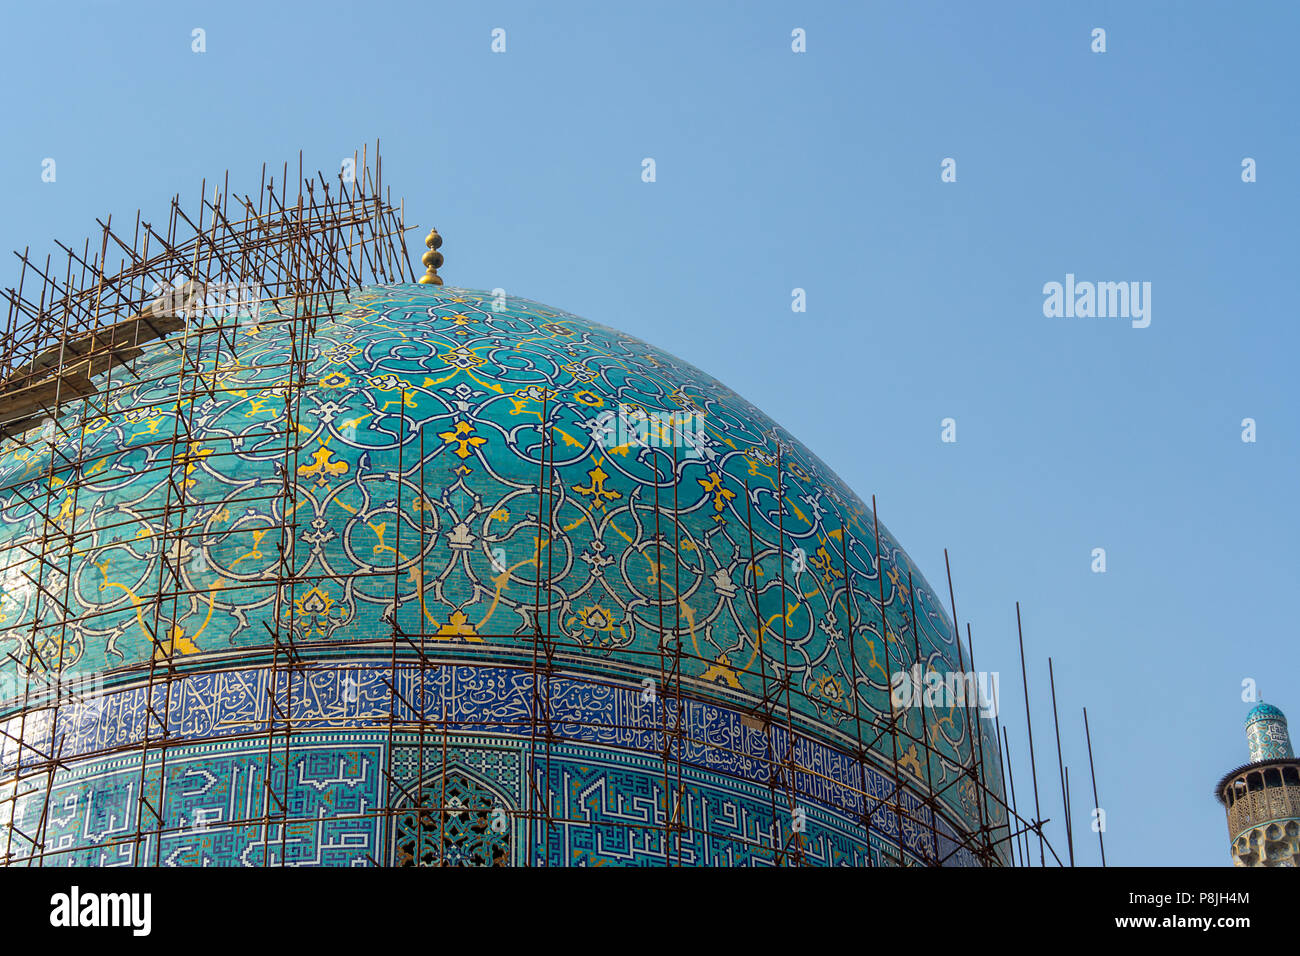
432, 259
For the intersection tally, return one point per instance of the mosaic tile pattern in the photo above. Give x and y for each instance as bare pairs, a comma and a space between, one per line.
1267, 734
418, 449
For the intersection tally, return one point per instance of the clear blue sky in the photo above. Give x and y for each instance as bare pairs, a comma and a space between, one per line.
822, 171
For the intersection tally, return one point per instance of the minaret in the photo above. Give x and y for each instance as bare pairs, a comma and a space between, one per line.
1263, 797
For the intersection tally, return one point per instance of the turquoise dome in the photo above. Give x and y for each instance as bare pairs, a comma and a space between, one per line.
1263, 711
456, 543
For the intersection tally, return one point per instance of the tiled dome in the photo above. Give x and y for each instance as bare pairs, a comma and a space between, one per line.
409, 488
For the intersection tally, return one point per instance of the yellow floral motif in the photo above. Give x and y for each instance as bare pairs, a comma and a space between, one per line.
256, 553
335, 380
596, 490
588, 398
66, 512
721, 672
522, 398
720, 495
323, 465
874, 662
458, 626
899, 586
58, 650
314, 605
314, 601
176, 644
827, 689
597, 622
194, 454
596, 618
911, 761
821, 560
406, 401
150, 427
521, 406
460, 436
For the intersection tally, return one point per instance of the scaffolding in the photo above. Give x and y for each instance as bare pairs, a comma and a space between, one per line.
293, 257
